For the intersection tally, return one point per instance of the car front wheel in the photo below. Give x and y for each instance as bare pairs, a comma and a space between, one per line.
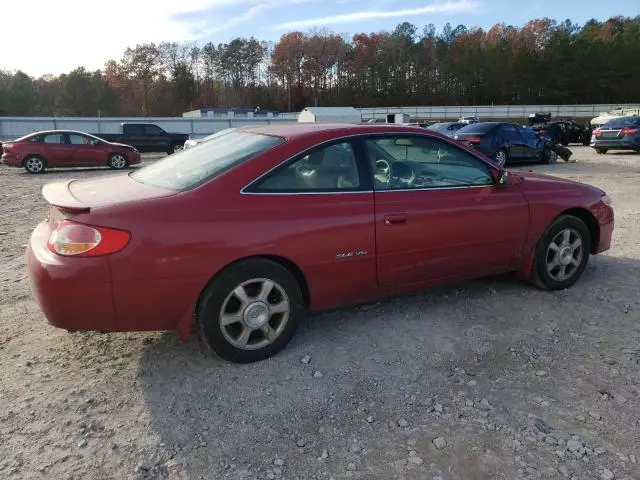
561, 254
250, 311
501, 157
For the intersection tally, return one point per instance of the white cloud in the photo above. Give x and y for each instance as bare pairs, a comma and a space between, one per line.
41, 36
450, 7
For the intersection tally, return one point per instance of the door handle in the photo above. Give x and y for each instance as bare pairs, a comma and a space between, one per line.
398, 219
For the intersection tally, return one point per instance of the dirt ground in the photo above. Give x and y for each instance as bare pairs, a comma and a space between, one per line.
490, 379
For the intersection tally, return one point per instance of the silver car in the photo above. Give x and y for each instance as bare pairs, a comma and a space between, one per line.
622, 133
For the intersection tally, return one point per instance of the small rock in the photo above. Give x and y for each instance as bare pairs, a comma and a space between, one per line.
607, 474
355, 449
301, 443
370, 419
306, 359
595, 415
271, 476
438, 408
351, 467
415, 460
278, 471
403, 423
545, 403
278, 462
469, 403
633, 459
288, 377
564, 471
623, 457
317, 374
542, 426
610, 361
325, 454
574, 445
599, 450
82, 443
440, 443
485, 405
541, 373
551, 440
472, 383
581, 418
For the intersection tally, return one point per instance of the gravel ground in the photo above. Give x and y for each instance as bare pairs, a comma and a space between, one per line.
490, 379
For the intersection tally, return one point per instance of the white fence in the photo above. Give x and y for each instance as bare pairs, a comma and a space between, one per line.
495, 111
14, 127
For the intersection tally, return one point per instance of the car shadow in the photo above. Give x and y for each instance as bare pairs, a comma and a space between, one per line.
366, 355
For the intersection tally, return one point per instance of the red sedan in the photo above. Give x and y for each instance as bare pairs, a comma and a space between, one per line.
248, 231
61, 148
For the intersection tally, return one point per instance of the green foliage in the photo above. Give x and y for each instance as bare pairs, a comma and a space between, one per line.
542, 62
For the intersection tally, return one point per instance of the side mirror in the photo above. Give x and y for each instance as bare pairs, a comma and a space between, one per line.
500, 177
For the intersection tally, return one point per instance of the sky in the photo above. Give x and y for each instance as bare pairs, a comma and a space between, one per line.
44, 37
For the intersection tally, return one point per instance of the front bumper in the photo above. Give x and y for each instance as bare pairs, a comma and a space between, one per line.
73, 293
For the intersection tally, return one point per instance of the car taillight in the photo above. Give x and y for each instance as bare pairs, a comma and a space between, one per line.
76, 239
542, 131
597, 131
473, 139
629, 131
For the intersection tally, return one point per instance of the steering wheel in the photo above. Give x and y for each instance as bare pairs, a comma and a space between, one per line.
383, 168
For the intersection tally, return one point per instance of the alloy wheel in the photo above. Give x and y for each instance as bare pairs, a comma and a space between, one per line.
564, 254
254, 314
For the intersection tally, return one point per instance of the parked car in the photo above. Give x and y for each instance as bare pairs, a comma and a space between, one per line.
506, 142
66, 148
621, 133
564, 132
192, 142
447, 128
250, 230
147, 137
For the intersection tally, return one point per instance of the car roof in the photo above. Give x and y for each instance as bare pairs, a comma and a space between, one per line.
293, 131
45, 132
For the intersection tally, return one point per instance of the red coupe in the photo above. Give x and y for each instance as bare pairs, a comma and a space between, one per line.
61, 148
248, 231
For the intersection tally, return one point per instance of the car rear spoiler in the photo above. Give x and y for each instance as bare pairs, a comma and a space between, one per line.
59, 195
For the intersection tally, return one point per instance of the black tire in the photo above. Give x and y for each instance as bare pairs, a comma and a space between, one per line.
549, 157
601, 151
497, 157
117, 161
175, 148
540, 275
213, 299
34, 164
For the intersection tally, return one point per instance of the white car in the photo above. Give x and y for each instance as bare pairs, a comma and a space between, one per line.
194, 142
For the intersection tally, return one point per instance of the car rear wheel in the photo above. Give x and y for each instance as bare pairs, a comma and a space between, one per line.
117, 161
501, 157
175, 148
561, 254
34, 164
250, 311
601, 151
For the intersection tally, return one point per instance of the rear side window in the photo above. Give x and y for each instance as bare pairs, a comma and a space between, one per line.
623, 122
134, 129
195, 166
477, 128
54, 138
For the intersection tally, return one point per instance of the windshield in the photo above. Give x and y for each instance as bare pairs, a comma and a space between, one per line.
192, 167
476, 128
623, 122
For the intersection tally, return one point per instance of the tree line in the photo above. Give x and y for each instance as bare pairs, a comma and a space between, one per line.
542, 62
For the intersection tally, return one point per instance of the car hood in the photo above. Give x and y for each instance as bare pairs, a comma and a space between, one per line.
101, 192
121, 145
539, 181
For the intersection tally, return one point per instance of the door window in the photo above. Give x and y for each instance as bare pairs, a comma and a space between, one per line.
412, 162
75, 139
510, 133
153, 130
54, 138
327, 169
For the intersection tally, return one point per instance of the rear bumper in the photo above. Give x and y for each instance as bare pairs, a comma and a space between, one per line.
11, 160
621, 144
73, 293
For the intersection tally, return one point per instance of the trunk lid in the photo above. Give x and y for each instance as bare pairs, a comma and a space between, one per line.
82, 195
